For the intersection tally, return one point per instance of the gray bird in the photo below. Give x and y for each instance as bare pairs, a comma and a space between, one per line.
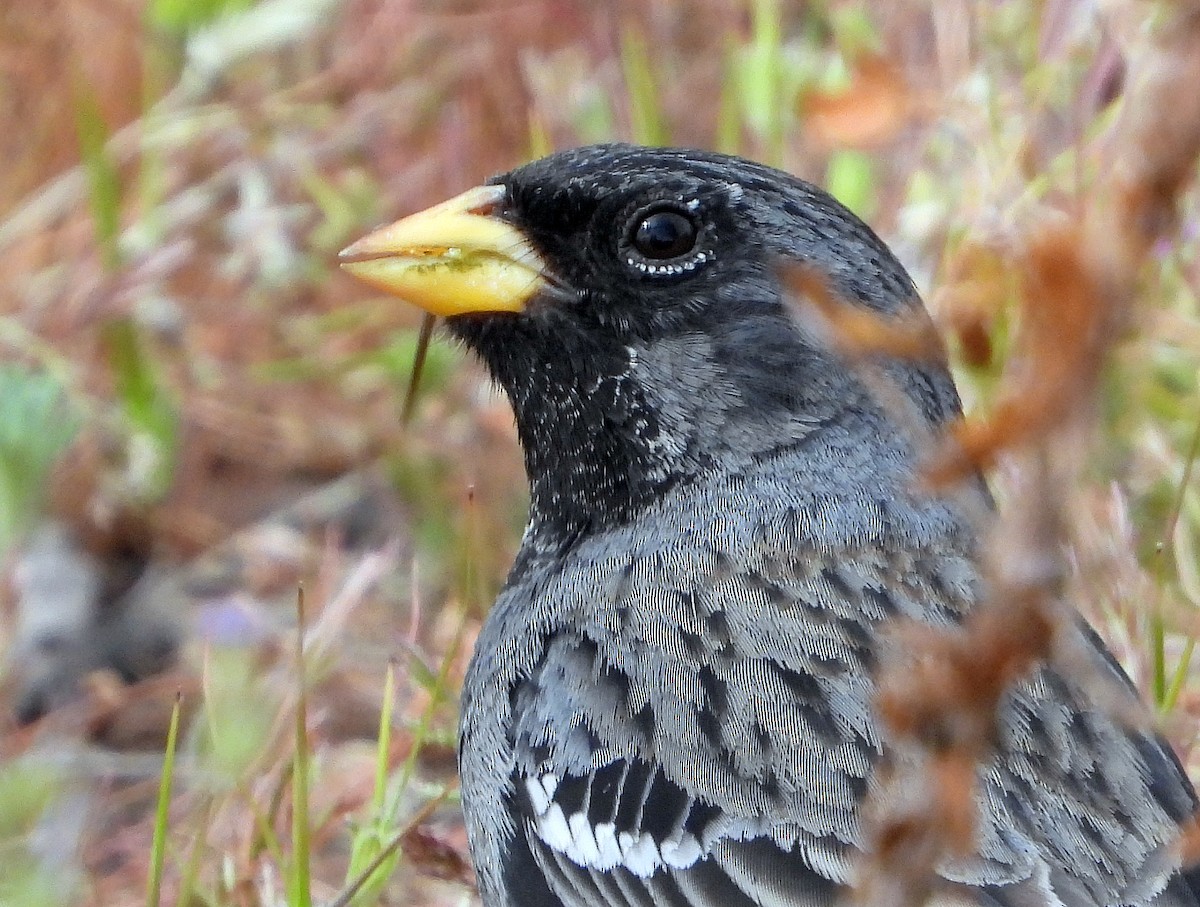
671, 702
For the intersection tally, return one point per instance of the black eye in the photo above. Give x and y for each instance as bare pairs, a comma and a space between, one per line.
665, 234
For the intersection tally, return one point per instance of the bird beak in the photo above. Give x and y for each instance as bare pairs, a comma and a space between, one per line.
451, 259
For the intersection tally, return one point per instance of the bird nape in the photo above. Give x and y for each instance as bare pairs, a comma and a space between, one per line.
671, 701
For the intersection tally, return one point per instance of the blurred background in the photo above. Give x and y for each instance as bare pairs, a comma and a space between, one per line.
199, 413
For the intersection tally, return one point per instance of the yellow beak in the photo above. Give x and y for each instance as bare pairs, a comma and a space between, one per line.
451, 259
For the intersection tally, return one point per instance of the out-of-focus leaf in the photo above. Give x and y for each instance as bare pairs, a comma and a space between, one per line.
759, 70
104, 182
766, 75
729, 125
441, 360
853, 30
869, 107
648, 122
593, 118
222, 40
150, 415
26, 788
389, 362
37, 422
850, 178
238, 714
539, 138
180, 17
344, 206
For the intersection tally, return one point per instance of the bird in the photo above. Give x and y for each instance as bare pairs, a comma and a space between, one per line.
672, 699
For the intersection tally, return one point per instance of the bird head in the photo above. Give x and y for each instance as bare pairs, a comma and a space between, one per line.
630, 302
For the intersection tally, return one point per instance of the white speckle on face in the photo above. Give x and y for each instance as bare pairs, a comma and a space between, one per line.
669, 269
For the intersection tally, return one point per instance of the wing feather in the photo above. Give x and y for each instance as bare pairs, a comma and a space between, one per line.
705, 736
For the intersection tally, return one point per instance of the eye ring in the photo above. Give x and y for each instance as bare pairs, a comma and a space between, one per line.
663, 234
667, 238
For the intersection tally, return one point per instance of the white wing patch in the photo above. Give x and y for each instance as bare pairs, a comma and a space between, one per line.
601, 846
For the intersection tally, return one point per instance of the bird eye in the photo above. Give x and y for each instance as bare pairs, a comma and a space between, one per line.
665, 234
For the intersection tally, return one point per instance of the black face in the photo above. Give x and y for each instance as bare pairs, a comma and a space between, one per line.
640, 237
635, 255
665, 344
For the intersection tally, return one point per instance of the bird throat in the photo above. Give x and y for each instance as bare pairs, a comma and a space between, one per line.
596, 452
595, 456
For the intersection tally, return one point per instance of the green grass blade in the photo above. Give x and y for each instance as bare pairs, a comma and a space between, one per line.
158, 844
372, 861
299, 877
390, 853
1166, 696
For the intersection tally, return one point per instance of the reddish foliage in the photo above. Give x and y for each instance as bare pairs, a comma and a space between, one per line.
870, 111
